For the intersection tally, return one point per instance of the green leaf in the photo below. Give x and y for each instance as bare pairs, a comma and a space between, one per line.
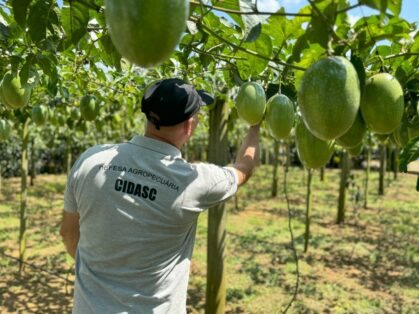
282, 29
15, 61
52, 87
38, 19
99, 72
403, 72
319, 29
20, 11
254, 33
301, 44
373, 30
360, 70
409, 153
380, 5
343, 25
310, 55
26, 68
394, 6
250, 21
382, 50
75, 18
48, 64
250, 65
110, 55
231, 5
4, 32
271, 90
5, 14
276, 27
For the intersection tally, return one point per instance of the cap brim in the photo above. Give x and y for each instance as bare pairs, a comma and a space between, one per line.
206, 98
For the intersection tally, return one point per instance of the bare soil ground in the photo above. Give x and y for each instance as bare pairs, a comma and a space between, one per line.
369, 264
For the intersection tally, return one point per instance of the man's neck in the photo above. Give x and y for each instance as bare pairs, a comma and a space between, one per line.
162, 139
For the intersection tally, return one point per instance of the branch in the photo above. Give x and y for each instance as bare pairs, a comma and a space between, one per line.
216, 55
348, 8
399, 55
253, 53
95, 29
248, 12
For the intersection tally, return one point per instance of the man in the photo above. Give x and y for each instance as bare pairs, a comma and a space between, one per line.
131, 209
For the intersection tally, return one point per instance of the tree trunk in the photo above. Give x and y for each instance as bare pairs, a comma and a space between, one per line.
274, 190
308, 210
344, 175
367, 176
23, 195
383, 159
218, 154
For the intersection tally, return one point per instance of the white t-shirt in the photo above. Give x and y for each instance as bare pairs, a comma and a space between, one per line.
139, 203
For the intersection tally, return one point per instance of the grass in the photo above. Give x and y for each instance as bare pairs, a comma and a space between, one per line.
367, 265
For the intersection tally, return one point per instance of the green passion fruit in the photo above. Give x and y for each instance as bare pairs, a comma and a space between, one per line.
312, 151
279, 116
89, 107
251, 103
146, 32
401, 135
355, 134
5, 129
14, 94
413, 132
382, 103
355, 151
329, 97
39, 114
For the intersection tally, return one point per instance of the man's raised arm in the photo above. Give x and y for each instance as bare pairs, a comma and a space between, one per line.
248, 155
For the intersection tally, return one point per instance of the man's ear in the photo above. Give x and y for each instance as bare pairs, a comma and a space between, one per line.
188, 126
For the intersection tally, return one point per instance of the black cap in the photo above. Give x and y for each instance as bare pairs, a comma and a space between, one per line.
171, 101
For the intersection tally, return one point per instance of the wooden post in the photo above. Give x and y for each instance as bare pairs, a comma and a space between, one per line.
288, 155
274, 189
389, 163
267, 155
1, 177
322, 178
23, 194
185, 151
218, 154
344, 175
32, 169
69, 155
383, 159
367, 176
308, 210
396, 154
